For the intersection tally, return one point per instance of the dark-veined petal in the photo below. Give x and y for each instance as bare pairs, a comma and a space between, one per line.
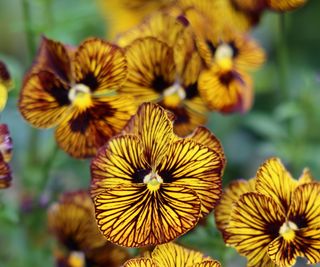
100, 65
196, 167
283, 252
275, 181
306, 177
82, 132
255, 222
121, 161
208, 263
205, 137
305, 206
168, 255
44, 99
230, 196
55, 57
155, 130
285, 5
226, 92
151, 69
135, 216
141, 262
5, 174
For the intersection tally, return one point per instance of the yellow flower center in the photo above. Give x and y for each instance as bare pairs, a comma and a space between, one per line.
287, 230
153, 181
173, 95
224, 57
80, 96
76, 259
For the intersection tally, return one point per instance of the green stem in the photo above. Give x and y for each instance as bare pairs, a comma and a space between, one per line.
47, 167
282, 58
28, 28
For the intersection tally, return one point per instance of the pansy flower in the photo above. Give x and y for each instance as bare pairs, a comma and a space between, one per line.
284, 5
148, 187
5, 85
278, 222
156, 75
169, 255
72, 221
5, 156
76, 90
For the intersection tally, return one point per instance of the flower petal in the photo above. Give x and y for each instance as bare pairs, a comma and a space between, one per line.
305, 206
283, 252
208, 264
44, 99
5, 143
100, 65
275, 181
134, 216
306, 177
55, 57
154, 128
230, 196
308, 243
84, 131
255, 221
5, 174
141, 262
119, 162
151, 69
170, 254
285, 5
196, 167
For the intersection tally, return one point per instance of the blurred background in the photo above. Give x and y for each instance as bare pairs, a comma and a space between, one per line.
283, 122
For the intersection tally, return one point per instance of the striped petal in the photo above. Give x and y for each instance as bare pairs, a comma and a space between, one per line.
100, 65
135, 216
254, 223
285, 5
196, 167
141, 262
44, 99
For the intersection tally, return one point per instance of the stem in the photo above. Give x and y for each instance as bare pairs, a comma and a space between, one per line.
47, 166
28, 28
282, 58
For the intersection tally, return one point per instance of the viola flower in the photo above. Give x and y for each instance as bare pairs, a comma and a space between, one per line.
5, 85
72, 221
148, 187
169, 255
76, 90
279, 221
224, 85
155, 74
5, 156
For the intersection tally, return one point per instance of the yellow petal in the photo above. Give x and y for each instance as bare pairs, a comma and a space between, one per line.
141, 262
196, 167
285, 5
134, 216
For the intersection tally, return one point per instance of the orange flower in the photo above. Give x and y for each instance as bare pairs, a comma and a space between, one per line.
76, 90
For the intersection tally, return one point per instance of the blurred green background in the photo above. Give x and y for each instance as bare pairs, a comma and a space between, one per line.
283, 122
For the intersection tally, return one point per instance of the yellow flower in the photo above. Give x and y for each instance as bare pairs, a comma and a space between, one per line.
149, 187
5, 156
76, 90
72, 221
157, 74
278, 222
169, 255
5, 85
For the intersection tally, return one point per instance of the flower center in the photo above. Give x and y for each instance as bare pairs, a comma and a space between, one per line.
80, 96
287, 230
223, 56
153, 181
173, 95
